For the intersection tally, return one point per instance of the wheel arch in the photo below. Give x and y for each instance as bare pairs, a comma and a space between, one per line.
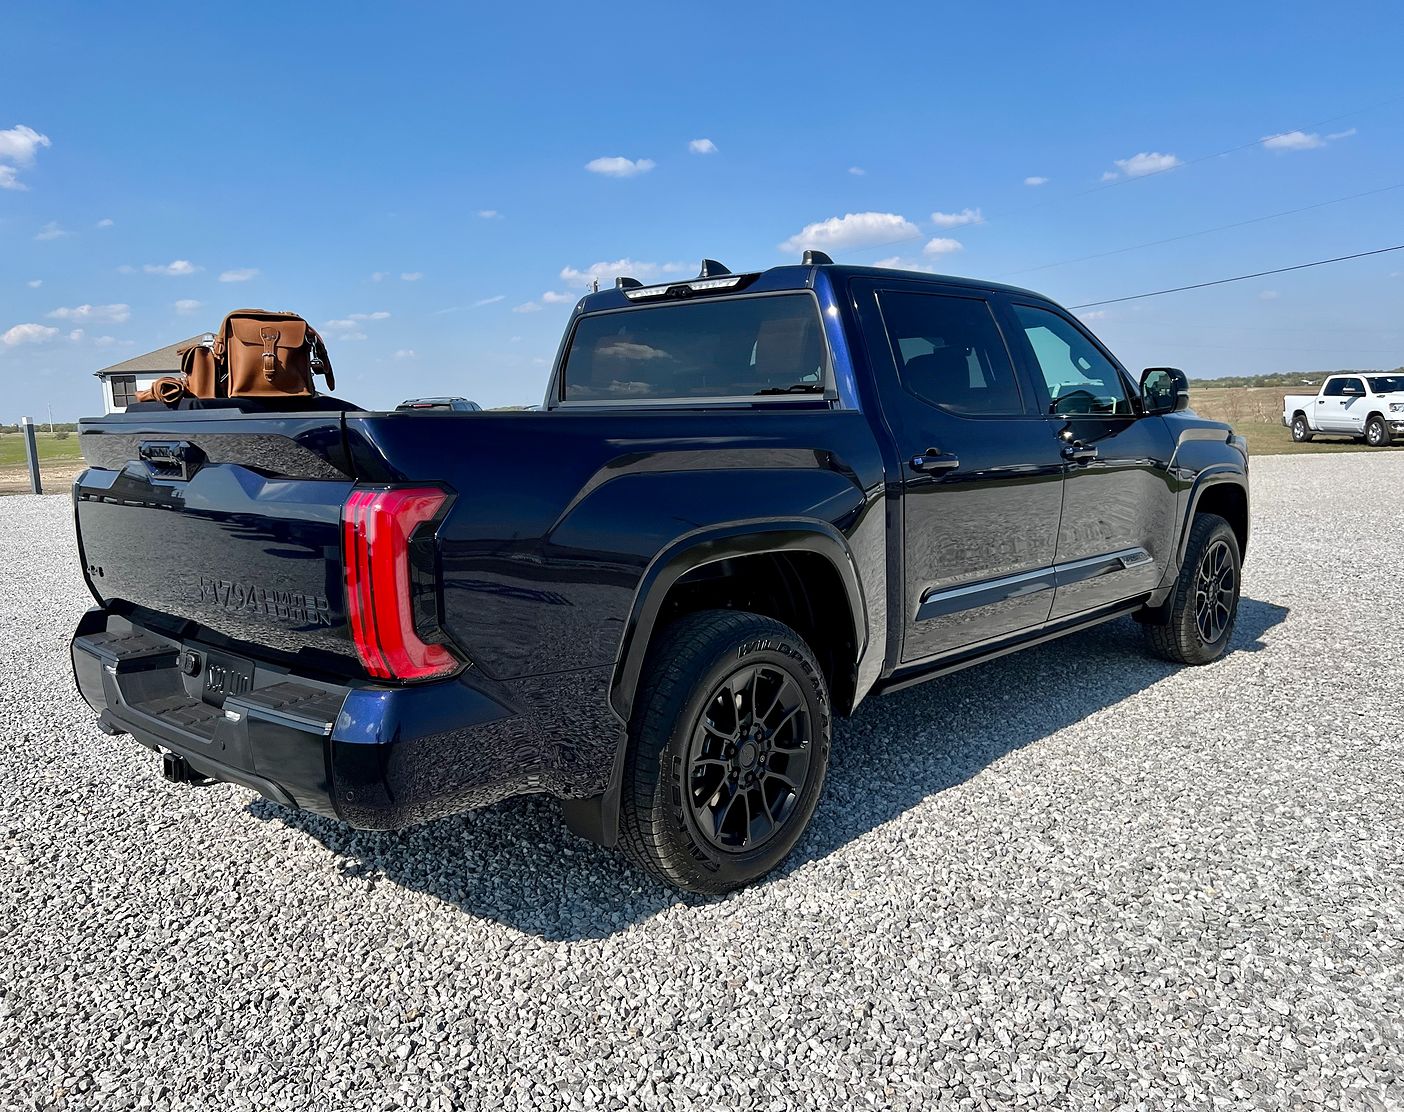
781, 569
1223, 492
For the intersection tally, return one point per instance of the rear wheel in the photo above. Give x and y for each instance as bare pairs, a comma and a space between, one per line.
1301, 431
1377, 433
1201, 617
727, 751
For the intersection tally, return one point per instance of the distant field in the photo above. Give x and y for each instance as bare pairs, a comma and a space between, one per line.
1255, 412
50, 447
59, 462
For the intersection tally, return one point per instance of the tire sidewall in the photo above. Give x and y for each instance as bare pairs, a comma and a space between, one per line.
778, 650
1299, 430
1371, 438
1201, 651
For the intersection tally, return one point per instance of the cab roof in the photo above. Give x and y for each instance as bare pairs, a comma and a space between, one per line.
629, 293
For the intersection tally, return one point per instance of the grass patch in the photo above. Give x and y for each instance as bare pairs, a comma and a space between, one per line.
51, 447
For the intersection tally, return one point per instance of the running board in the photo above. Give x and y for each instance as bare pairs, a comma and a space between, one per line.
920, 673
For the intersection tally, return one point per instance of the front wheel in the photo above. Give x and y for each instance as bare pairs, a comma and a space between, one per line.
727, 751
1201, 617
1377, 433
1301, 431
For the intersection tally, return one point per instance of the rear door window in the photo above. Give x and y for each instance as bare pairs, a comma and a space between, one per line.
950, 352
750, 347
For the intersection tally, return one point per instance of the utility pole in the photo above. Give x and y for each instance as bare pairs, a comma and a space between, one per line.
32, 450
50, 406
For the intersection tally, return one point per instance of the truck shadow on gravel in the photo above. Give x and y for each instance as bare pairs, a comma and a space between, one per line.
515, 863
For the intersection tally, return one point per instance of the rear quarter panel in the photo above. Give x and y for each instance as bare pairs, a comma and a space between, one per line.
558, 515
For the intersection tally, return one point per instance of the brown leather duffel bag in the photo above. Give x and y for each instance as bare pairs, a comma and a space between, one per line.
263, 354
199, 369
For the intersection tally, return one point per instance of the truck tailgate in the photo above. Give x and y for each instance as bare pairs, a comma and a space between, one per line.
230, 523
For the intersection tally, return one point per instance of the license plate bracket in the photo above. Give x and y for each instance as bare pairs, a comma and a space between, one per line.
225, 675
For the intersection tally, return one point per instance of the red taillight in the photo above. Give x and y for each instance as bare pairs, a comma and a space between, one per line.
376, 529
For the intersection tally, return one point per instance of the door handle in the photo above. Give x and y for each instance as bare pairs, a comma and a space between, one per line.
933, 460
1078, 452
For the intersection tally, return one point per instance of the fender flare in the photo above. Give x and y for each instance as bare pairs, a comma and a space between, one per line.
711, 545
1215, 475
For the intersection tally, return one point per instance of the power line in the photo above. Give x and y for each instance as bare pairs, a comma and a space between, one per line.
1239, 278
1204, 231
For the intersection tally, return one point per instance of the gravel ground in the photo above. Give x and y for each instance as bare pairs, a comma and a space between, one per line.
1075, 878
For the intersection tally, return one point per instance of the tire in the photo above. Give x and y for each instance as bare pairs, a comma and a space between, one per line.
1301, 431
1199, 622
685, 776
1377, 433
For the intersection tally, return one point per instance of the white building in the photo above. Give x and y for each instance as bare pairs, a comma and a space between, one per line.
121, 381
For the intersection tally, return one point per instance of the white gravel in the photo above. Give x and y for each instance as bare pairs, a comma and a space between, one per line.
1074, 878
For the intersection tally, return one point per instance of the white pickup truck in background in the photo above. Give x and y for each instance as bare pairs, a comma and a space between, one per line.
1363, 405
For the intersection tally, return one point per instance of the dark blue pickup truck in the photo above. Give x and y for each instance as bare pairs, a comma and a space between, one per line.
749, 502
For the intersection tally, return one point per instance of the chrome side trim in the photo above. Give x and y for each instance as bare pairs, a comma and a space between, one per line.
953, 600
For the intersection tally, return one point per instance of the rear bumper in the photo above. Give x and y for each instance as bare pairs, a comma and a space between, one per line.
375, 757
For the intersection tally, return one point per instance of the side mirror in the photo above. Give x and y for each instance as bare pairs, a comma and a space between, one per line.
1164, 390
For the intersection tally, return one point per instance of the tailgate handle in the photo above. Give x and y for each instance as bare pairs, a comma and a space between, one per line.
171, 459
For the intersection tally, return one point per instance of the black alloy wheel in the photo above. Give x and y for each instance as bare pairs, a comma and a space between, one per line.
1215, 592
728, 745
749, 758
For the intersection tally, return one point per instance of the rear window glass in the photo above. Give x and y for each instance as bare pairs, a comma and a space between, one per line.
739, 347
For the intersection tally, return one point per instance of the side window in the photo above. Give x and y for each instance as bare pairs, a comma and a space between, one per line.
949, 352
1334, 389
1355, 386
1081, 381
124, 390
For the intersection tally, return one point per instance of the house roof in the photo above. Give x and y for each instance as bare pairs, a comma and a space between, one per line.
162, 359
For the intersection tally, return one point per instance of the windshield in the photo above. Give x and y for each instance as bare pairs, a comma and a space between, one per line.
736, 347
1386, 384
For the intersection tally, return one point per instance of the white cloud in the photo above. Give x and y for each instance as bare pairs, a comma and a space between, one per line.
241, 274
107, 341
1035, 180
104, 314
617, 167
1294, 141
606, 272
896, 262
20, 144
405, 353
35, 283
1147, 162
412, 276
187, 305
956, 219
554, 297
853, 230
1109, 175
76, 335
52, 230
857, 171
28, 334
105, 222
379, 314
942, 246
527, 307
702, 146
343, 329
484, 214
489, 301
179, 268
1269, 295
1346, 134
1095, 314
380, 276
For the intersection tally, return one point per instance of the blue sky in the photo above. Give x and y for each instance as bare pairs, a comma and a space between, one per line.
432, 185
